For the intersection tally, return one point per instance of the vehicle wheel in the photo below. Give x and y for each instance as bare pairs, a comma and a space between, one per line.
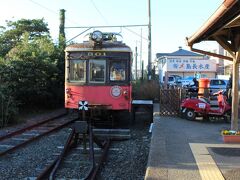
227, 116
190, 114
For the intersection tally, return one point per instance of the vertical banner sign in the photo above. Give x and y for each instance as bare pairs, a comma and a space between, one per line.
83, 105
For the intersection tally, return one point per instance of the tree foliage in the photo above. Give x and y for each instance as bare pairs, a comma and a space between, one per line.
14, 31
8, 105
29, 68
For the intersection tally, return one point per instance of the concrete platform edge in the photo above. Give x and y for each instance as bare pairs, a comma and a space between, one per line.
155, 159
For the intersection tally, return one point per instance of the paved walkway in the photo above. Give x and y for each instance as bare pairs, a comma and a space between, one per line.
182, 150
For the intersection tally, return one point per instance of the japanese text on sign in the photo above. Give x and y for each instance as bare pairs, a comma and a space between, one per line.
191, 65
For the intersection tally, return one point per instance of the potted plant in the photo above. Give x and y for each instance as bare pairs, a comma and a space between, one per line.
231, 136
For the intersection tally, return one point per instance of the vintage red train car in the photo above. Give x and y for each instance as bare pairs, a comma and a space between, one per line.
99, 71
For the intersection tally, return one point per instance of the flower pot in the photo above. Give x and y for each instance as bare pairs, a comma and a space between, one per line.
231, 138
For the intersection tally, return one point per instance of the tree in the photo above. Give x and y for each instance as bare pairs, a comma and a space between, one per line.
13, 34
8, 104
31, 72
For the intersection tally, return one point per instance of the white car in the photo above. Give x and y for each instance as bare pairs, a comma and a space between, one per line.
172, 80
185, 82
218, 84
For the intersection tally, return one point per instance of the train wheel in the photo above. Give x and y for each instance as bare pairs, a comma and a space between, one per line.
190, 114
122, 118
131, 118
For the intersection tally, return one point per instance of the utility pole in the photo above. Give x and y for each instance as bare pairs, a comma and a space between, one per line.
142, 71
61, 45
136, 62
149, 41
140, 50
61, 39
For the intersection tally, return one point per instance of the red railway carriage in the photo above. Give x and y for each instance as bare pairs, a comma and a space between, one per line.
99, 71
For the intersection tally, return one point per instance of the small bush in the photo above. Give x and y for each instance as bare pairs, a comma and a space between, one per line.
8, 107
146, 90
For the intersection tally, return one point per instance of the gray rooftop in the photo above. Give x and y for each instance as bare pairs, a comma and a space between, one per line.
180, 52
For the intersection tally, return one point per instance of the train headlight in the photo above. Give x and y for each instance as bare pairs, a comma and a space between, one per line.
97, 36
68, 93
125, 93
116, 91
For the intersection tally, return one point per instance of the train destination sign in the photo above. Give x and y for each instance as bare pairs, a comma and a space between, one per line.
97, 55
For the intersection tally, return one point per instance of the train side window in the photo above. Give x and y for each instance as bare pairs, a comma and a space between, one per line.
97, 71
117, 71
77, 71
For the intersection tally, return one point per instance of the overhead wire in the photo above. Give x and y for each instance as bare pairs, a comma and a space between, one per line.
135, 33
99, 12
50, 10
78, 35
56, 13
92, 1
44, 7
97, 9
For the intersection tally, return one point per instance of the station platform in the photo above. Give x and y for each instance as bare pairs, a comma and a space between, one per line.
182, 150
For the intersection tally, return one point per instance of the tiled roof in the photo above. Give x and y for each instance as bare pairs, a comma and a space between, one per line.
180, 52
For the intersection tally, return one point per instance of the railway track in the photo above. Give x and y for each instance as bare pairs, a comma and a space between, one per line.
123, 157
21, 137
83, 153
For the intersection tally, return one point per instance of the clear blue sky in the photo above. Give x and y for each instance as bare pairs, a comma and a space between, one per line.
172, 20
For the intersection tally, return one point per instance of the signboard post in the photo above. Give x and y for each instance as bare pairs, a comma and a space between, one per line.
83, 106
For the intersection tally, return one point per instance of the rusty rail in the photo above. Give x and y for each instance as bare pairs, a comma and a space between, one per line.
51, 170
94, 170
30, 127
64, 152
35, 137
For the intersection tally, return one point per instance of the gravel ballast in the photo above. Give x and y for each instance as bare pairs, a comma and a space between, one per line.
126, 159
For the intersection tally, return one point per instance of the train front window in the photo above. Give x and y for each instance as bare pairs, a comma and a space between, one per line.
97, 71
77, 71
117, 71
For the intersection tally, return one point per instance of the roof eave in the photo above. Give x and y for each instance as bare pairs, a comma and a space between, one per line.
211, 22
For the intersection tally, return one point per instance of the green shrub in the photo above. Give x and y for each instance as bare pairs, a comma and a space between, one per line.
8, 106
31, 69
146, 90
